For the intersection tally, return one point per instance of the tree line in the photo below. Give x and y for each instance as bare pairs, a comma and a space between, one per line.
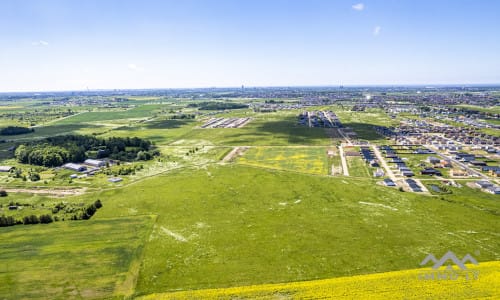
55, 151
217, 105
13, 130
85, 214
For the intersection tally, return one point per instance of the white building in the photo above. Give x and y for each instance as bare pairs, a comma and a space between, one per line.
74, 167
95, 163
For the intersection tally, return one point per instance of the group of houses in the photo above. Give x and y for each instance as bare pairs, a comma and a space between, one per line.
414, 186
475, 161
488, 187
326, 119
439, 163
393, 158
226, 123
442, 137
447, 137
493, 171
369, 157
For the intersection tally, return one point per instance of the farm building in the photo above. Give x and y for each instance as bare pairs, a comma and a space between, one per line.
74, 167
115, 179
95, 163
6, 168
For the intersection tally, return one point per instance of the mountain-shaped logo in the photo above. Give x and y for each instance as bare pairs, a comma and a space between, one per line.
449, 256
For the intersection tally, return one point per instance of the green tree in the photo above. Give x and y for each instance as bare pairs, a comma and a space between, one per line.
34, 176
45, 219
98, 204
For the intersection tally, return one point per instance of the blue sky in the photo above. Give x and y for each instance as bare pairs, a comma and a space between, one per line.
108, 44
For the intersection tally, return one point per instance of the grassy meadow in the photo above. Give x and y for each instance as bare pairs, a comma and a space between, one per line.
93, 259
296, 159
391, 285
232, 225
186, 221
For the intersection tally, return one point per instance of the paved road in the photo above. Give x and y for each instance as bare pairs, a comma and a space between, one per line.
233, 153
343, 160
345, 136
382, 161
466, 167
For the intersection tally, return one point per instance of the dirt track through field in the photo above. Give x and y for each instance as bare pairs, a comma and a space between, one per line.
52, 192
235, 152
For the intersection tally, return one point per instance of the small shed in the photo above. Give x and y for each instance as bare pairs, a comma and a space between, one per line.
6, 168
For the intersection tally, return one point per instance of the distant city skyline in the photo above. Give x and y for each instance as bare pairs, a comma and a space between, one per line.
49, 45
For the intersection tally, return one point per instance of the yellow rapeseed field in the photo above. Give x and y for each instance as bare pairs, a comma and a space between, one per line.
298, 159
406, 284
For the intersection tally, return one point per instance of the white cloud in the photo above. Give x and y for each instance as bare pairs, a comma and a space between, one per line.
376, 30
40, 43
358, 7
135, 68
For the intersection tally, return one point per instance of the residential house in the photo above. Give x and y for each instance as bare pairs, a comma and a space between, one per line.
483, 184
494, 189
389, 182
431, 171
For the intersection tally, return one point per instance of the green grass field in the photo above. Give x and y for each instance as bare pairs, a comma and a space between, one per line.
296, 159
276, 129
139, 112
358, 167
233, 225
187, 221
72, 260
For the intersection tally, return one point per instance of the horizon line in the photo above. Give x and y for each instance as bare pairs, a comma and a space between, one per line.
424, 85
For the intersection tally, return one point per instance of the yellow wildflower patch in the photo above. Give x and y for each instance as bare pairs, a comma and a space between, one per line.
406, 284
